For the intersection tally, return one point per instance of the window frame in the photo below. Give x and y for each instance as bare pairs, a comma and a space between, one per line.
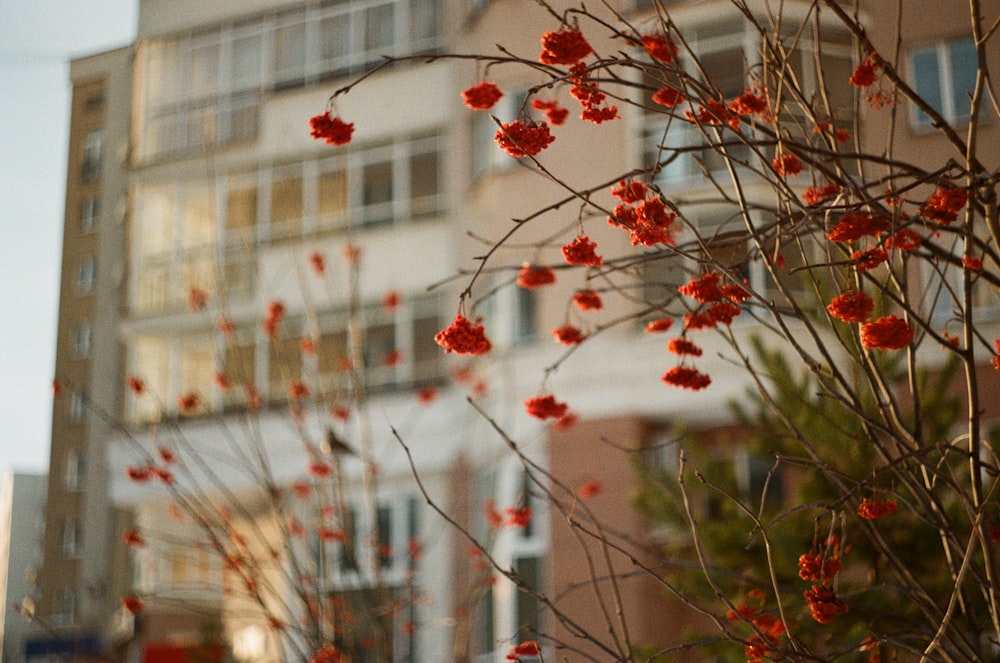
77, 407
686, 170
70, 541
82, 339
92, 156
89, 210
64, 606
942, 50
231, 94
86, 276
74, 470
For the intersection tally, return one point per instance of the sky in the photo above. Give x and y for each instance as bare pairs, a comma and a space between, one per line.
38, 38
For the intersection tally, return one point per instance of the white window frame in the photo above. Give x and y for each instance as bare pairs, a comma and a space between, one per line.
946, 79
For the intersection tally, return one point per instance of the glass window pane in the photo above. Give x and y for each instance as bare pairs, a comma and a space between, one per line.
529, 570
163, 134
426, 353
927, 80
163, 68
240, 271
93, 153
88, 214
239, 369
198, 217
661, 277
241, 209
964, 65
377, 190
380, 340
331, 350
286, 200
204, 71
197, 367
379, 29
385, 536
152, 286
725, 70
241, 116
332, 198
836, 70
349, 548
290, 52
285, 365
247, 63
200, 127
423, 20
335, 42
196, 271
151, 363
424, 181
286, 204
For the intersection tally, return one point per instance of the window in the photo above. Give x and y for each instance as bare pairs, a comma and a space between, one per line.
332, 193
365, 612
81, 340
202, 90
85, 275
64, 606
70, 539
172, 366
944, 75
729, 53
239, 366
513, 613
88, 214
177, 234
376, 191
241, 210
487, 157
74, 471
286, 202
93, 153
398, 348
510, 315
178, 230
290, 50
661, 275
77, 407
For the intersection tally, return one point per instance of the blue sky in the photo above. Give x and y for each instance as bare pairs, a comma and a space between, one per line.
37, 40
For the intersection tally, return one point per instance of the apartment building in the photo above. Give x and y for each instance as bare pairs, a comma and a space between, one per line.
196, 200
75, 585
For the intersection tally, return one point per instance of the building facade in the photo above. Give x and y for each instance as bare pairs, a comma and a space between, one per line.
246, 312
76, 593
